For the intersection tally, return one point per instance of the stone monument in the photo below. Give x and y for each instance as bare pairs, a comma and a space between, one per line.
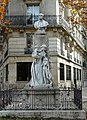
38, 98
40, 72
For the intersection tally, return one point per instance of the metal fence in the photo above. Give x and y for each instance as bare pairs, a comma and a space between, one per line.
41, 99
78, 98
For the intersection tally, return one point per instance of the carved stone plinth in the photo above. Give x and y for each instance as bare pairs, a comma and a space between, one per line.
40, 38
42, 99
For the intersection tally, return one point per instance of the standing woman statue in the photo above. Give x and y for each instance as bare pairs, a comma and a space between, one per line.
40, 68
36, 69
47, 77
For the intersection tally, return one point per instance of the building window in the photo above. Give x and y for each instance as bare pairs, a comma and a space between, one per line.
6, 9
81, 74
7, 72
77, 74
74, 73
68, 72
32, 12
61, 71
24, 71
84, 64
66, 12
29, 42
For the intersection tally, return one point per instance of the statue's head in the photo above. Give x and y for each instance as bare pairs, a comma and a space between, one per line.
41, 15
43, 26
36, 46
43, 47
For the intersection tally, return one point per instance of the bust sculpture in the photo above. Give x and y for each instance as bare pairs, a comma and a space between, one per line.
41, 24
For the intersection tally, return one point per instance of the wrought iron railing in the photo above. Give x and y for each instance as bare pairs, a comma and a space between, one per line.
78, 98
41, 99
53, 20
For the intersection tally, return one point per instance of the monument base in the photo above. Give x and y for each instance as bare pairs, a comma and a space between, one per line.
46, 114
44, 86
44, 103
43, 99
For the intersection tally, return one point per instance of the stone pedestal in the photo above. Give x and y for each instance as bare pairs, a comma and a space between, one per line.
42, 98
46, 114
40, 38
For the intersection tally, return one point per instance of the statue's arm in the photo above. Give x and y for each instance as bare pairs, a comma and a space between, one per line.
36, 25
35, 54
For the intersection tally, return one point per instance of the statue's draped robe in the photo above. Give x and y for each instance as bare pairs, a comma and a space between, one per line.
40, 69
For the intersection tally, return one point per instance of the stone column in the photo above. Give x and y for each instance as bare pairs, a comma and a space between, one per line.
40, 37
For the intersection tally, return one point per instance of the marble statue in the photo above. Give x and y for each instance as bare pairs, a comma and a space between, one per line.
40, 72
41, 24
40, 67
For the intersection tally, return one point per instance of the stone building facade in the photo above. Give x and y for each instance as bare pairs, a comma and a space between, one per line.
67, 54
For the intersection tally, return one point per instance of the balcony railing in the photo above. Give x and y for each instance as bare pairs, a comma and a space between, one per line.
53, 20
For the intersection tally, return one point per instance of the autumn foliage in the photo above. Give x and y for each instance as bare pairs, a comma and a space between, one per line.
3, 4
78, 11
